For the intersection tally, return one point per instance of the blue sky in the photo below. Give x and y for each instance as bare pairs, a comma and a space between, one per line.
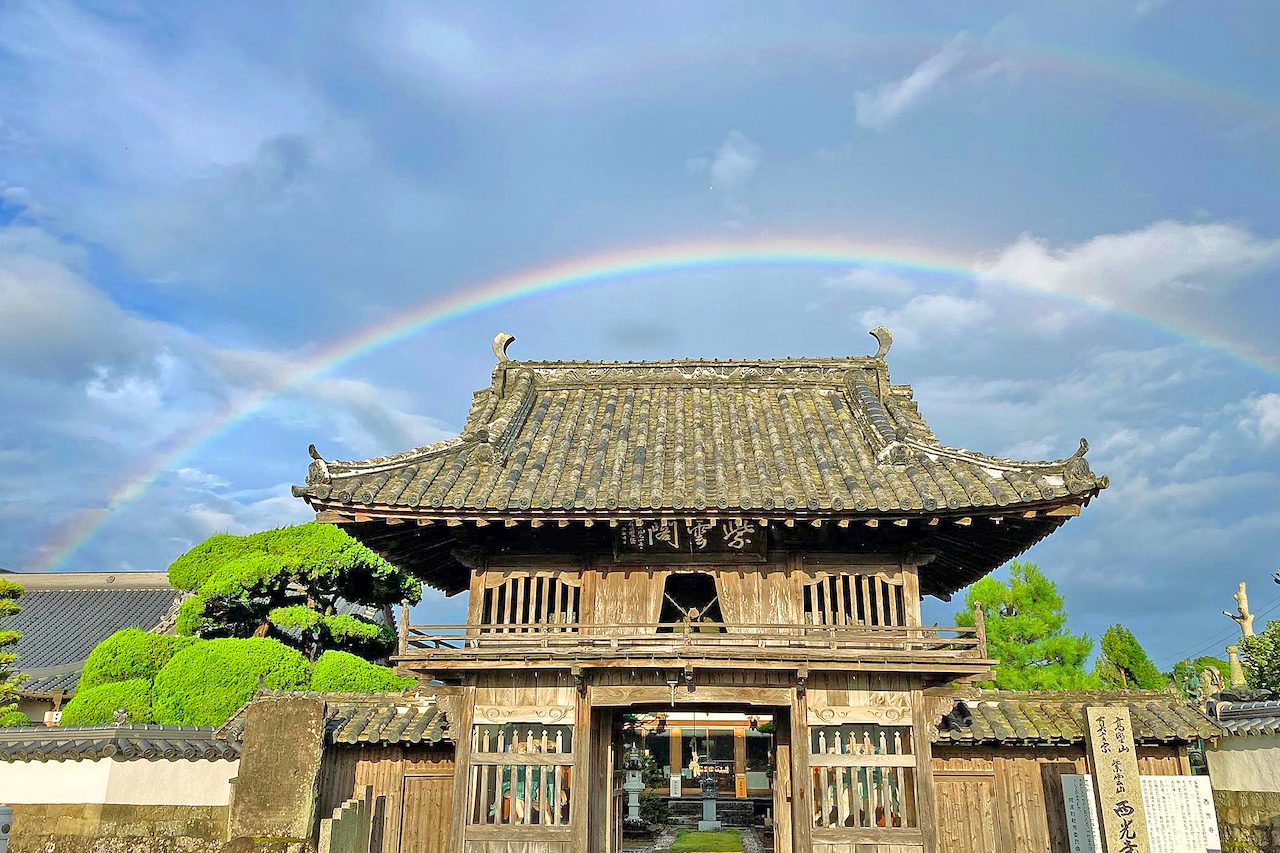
195, 199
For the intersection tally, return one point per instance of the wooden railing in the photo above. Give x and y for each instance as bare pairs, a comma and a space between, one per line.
442, 644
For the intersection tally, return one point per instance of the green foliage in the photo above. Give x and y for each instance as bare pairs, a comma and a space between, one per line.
343, 672
1027, 632
654, 809
10, 592
723, 841
204, 684
128, 654
1260, 657
97, 705
244, 586
1124, 665
14, 719
359, 636
1183, 670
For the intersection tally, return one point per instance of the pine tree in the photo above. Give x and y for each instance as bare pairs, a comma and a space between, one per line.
1124, 665
1026, 631
10, 592
286, 584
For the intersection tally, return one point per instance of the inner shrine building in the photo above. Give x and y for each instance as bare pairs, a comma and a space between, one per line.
721, 562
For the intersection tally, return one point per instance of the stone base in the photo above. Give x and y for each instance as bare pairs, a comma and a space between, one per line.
709, 825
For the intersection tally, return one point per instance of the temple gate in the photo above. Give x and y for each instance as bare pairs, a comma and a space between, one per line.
685, 537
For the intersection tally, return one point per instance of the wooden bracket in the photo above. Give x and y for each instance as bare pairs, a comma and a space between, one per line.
802, 678
579, 680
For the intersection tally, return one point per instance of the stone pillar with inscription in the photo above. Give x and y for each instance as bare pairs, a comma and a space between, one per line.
1114, 762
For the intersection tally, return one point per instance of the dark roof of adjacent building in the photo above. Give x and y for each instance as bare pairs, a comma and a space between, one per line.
121, 742
1249, 718
1034, 718
785, 438
64, 615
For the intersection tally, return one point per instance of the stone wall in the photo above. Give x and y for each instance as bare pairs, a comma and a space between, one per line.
1249, 821
89, 826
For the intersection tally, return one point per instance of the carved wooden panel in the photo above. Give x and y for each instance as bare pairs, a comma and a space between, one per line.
545, 714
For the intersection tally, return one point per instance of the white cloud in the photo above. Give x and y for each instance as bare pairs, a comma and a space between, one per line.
51, 319
733, 165
869, 279
98, 89
1262, 417
930, 315
1146, 265
879, 109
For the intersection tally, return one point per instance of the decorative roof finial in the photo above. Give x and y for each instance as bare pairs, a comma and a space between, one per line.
317, 471
882, 336
501, 341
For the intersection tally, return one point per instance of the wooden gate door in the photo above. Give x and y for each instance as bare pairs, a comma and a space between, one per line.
428, 814
966, 806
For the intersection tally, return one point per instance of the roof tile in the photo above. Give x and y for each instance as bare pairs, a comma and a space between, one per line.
802, 435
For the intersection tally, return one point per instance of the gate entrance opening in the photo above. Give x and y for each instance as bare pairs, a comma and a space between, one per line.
681, 746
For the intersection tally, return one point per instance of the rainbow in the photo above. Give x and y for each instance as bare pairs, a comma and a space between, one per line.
595, 269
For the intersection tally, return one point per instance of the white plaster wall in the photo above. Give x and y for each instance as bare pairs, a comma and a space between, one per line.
178, 783
54, 782
138, 782
1245, 764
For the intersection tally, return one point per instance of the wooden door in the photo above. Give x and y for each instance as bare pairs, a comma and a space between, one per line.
428, 814
966, 807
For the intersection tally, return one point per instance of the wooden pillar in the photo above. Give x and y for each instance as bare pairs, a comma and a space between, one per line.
926, 805
462, 765
580, 796
801, 778
740, 762
677, 754
782, 781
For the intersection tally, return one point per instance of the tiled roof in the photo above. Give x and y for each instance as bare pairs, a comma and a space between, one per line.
121, 742
1045, 718
354, 718
386, 719
65, 615
791, 436
1249, 718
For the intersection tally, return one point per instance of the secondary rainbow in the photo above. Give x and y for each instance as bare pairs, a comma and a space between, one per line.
595, 269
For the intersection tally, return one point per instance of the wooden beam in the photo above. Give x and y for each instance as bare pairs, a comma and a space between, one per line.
901, 522
871, 522
964, 522
1067, 511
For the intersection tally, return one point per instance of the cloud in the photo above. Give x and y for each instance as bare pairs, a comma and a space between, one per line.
52, 321
101, 93
870, 280
733, 165
930, 315
1147, 265
1262, 417
879, 109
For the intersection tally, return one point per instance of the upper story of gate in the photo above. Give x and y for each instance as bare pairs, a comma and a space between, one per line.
804, 491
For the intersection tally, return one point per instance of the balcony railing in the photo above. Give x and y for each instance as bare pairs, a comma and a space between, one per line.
462, 646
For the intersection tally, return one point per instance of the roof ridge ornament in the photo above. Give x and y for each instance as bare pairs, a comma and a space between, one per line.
501, 341
884, 339
317, 471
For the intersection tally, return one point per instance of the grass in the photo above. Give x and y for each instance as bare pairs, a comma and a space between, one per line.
724, 841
